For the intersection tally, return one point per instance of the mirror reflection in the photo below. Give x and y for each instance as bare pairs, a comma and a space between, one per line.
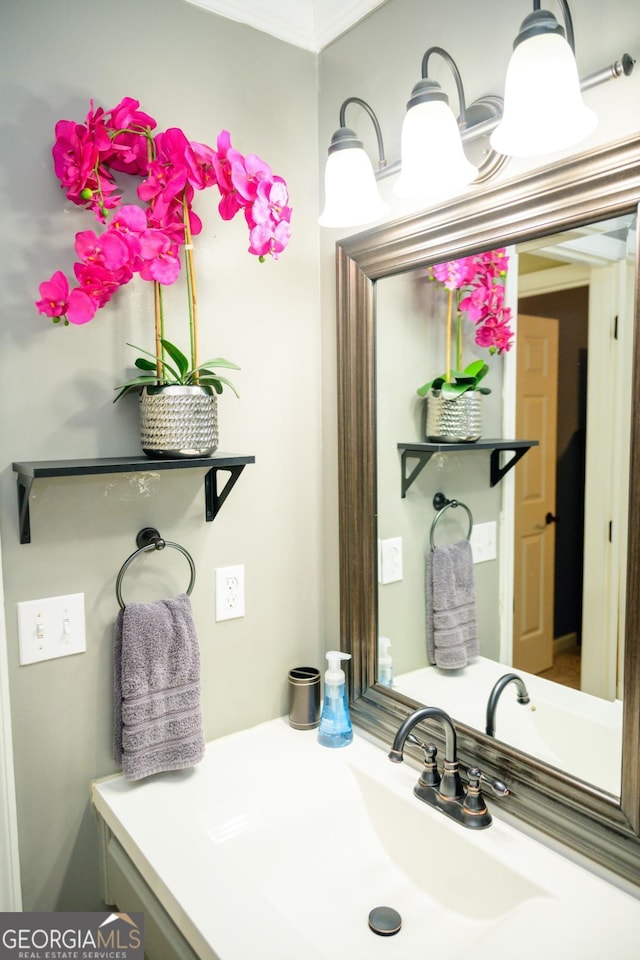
548, 540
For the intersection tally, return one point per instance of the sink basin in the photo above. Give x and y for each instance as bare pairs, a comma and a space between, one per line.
333, 841
275, 847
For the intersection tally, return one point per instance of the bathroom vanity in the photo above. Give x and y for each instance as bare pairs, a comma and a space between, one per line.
275, 847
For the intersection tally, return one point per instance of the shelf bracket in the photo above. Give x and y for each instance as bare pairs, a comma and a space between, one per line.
422, 457
24, 518
214, 498
498, 470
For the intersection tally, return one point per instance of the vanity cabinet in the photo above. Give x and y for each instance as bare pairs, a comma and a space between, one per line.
124, 889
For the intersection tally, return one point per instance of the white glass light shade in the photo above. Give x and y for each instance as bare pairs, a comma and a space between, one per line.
350, 190
543, 107
433, 164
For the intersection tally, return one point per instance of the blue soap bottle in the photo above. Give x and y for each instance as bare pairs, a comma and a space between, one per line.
335, 728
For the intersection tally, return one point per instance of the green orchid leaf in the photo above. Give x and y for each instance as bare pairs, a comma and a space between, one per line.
216, 381
142, 381
434, 384
177, 356
474, 368
217, 362
459, 377
170, 375
143, 364
452, 390
180, 373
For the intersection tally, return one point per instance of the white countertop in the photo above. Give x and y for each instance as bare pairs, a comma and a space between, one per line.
236, 850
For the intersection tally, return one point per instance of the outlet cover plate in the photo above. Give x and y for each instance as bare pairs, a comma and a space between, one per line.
230, 592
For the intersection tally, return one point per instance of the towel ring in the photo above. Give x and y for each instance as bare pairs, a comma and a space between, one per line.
149, 539
441, 504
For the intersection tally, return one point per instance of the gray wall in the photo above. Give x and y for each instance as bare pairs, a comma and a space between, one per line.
200, 72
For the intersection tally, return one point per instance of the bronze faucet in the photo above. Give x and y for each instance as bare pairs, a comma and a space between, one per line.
494, 696
446, 793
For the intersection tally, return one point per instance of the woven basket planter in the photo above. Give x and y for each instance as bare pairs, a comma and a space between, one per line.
177, 421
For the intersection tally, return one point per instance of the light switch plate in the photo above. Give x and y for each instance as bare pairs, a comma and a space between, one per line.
483, 542
51, 627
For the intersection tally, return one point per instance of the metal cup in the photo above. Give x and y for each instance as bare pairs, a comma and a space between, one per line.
304, 697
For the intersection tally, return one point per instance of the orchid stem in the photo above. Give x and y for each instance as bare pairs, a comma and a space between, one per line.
192, 297
448, 347
158, 311
458, 338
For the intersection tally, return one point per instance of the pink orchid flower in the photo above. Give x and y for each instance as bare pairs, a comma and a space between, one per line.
200, 160
57, 301
454, 273
267, 238
109, 250
496, 333
147, 239
98, 282
159, 255
128, 146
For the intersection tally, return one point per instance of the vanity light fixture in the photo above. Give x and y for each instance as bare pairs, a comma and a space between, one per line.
441, 155
351, 194
543, 106
432, 161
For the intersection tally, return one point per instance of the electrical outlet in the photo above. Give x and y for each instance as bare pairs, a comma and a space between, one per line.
390, 560
230, 592
51, 627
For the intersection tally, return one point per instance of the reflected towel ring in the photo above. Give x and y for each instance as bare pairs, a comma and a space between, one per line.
441, 504
149, 539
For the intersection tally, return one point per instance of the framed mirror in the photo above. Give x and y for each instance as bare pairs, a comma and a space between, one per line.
520, 215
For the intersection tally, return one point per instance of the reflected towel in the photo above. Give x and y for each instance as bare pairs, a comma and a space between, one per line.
156, 685
452, 629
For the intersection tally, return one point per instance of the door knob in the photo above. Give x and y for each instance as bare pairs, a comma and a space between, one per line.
550, 518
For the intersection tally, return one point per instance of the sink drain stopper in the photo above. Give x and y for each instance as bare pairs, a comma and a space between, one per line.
385, 921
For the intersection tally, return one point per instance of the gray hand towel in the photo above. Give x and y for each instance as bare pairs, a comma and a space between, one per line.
452, 631
156, 685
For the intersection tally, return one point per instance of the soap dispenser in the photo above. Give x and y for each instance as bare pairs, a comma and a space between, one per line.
335, 723
385, 664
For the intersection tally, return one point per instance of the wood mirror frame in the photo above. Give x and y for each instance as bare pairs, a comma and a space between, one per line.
589, 187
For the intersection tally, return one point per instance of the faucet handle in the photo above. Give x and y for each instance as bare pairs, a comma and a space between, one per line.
477, 777
429, 776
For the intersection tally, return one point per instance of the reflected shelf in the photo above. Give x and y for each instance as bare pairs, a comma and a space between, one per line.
422, 453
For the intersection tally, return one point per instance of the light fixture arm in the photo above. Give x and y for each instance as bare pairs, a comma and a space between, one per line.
382, 162
568, 21
456, 76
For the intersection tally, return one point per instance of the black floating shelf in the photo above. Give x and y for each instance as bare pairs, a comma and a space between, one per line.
422, 453
31, 470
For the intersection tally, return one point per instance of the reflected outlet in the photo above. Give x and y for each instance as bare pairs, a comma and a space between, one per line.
390, 560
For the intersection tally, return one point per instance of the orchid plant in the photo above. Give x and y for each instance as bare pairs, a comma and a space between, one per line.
476, 286
147, 238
